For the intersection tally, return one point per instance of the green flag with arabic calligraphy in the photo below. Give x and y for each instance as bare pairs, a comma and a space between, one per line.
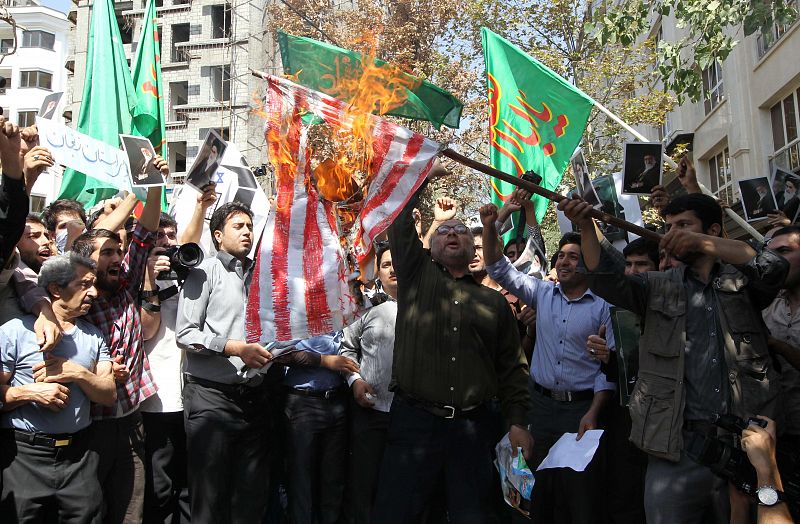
148, 115
107, 103
319, 65
536, 118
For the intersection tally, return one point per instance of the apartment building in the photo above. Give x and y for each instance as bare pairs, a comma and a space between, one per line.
747, 124
208, 48
33, 70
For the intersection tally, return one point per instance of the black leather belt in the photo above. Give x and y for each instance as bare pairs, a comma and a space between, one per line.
228, 389
44, 439
328, 394
564, 396
440, 410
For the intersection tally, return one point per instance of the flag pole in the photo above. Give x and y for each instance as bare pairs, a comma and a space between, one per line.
550, 195
731, 213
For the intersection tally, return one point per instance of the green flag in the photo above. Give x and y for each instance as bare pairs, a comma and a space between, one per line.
148, 115
319, 66
108, 100
536, 118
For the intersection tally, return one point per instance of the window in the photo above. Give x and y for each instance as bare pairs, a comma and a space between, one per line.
6, 44
178, 96
785, 119
125, 29
37, 203
26, 118
712, 86
220, 21
180, 33
719, 168
38, 79
41, 39
224, 132
766, 40
176, 151
221, 83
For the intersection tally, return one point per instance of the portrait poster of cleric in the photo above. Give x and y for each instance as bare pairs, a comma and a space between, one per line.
49, 105
141, 154
207, 161
758, 198
583, 182
641, 169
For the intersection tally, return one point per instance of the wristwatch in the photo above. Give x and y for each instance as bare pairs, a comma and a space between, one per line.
768, 496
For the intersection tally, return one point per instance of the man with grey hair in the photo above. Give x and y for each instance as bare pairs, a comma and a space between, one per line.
47, 471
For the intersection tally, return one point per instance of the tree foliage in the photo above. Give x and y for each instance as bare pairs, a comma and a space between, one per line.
440, 41
711, 29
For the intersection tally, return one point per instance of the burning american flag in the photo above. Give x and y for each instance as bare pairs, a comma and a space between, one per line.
353, 193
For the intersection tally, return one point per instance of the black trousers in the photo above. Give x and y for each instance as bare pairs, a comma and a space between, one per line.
424, 453
43, 484
227, 444
369, 430
625, 467
316, 457
119, 445
561, 494
166, 494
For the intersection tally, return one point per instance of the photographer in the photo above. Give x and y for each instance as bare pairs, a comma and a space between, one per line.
759, 443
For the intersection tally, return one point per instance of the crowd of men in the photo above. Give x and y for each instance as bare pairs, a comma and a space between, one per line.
128, 396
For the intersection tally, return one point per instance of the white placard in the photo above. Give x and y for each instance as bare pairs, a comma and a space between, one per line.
96, 159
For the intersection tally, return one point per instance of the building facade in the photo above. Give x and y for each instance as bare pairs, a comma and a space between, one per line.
32, 71
208, 48
746, 126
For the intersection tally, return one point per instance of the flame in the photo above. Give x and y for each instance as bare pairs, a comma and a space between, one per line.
370, 88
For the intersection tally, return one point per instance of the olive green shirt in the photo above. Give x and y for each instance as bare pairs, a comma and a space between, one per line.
456, 342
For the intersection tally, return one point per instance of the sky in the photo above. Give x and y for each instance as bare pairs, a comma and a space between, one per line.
59, 5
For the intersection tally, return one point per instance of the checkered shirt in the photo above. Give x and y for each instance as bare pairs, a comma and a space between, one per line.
120, 321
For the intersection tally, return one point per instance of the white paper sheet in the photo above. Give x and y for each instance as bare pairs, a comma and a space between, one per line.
570, 453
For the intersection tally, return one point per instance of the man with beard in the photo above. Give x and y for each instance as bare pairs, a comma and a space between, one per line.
703, 350
35, 246
48, 472
456, 348
765, 204
568, 389
117, 431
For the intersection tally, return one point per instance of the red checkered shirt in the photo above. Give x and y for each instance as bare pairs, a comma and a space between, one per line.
120, 321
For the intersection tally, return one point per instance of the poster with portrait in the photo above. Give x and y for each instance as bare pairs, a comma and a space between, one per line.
786, 186
206, 163
627, 330
141, 155
642, 167
49, 105
758, 199
583, 182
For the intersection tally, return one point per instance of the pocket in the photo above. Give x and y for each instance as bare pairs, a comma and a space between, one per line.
666, 312
652, 409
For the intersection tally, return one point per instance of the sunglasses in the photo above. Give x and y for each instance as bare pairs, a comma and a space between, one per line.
459, 229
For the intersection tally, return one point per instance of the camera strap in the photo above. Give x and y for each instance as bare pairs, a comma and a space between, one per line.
167, 293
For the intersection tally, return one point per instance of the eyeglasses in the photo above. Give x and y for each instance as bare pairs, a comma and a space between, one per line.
460, 229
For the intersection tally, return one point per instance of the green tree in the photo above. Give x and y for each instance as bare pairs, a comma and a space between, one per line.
711, 29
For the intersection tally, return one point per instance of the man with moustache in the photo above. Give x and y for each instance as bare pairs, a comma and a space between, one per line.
456, 348
228, 418
568, 389
47, 470
117, 430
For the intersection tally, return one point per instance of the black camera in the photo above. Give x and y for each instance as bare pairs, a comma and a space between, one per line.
723, 454
181, 260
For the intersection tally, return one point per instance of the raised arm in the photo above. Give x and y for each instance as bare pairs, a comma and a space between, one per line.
194, 229
404, 243
443, 210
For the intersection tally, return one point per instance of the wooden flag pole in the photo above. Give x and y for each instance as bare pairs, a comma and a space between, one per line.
550, 195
